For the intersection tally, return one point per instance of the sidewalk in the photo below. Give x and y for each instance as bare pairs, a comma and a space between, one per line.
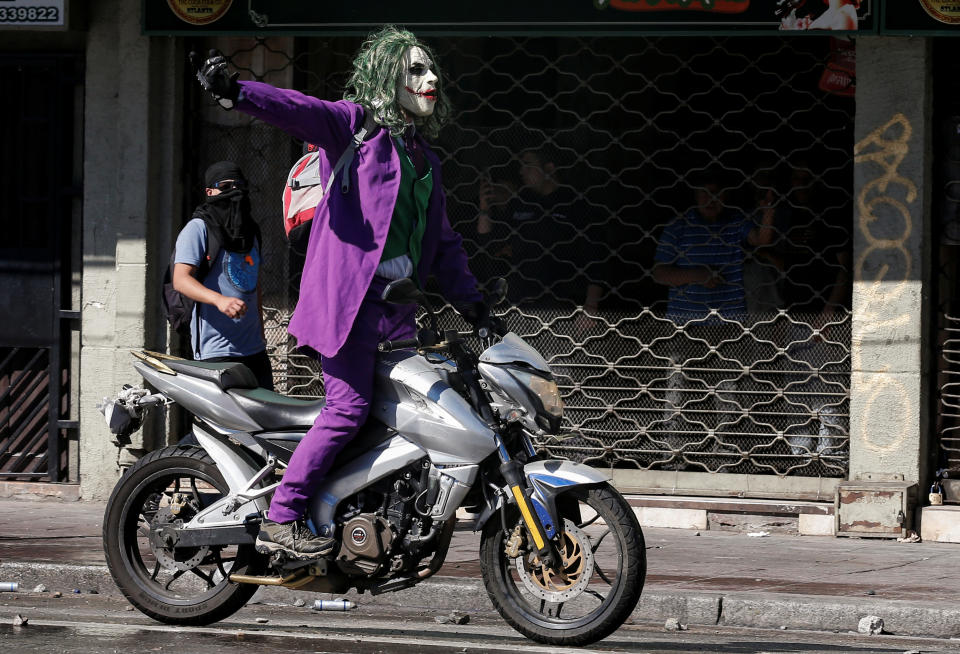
716, 577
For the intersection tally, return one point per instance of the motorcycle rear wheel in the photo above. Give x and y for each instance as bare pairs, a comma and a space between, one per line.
604, 568
176, 586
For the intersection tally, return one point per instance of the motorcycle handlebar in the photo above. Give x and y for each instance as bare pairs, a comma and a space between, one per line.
403, 343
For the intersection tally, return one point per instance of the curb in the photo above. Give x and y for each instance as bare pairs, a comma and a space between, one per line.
440, 594
825, 613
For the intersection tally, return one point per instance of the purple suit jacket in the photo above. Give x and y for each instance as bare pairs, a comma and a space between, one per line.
349, 231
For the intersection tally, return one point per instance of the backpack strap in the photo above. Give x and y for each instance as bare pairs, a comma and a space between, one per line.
301, 182
347, 157
213, 249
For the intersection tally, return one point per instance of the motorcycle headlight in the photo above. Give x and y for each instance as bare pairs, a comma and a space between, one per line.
543, 389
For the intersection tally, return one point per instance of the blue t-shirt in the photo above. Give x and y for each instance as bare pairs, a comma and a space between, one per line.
231, 274
691, 242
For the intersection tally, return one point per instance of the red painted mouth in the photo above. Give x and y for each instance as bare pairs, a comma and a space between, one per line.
429, 95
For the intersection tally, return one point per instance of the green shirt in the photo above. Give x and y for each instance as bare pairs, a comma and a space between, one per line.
409, 219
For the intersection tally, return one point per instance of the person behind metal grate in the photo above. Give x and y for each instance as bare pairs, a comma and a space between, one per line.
385, 220
701, 257
514, 225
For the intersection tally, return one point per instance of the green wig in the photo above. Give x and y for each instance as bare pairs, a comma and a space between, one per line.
376, 72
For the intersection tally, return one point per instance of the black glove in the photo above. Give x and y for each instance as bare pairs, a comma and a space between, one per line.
478, 315
214, 75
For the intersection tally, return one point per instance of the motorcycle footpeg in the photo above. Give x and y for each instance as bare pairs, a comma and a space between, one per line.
290, 561
277, 557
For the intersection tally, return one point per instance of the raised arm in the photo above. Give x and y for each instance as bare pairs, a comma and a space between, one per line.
326, 124
323, 123
763, 234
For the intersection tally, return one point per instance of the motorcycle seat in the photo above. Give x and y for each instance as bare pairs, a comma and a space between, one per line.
275, 411
225, 375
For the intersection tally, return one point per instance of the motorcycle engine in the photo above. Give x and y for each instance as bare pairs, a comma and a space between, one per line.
366, 540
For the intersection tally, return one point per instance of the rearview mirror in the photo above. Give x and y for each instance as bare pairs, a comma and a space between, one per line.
498, 292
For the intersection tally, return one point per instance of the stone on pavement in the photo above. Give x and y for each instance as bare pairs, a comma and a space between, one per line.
870, 624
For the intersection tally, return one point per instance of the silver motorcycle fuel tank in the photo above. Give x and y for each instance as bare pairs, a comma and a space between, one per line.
412, 397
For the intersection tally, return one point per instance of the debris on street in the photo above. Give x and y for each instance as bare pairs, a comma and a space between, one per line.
870, 624
333, 605
673, 624
454, 617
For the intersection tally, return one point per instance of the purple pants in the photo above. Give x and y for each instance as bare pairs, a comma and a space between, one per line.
348, 382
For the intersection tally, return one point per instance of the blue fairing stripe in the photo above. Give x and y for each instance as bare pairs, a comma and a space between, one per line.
544, 515
552, 480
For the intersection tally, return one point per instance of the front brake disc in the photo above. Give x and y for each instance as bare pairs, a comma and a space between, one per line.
577, 568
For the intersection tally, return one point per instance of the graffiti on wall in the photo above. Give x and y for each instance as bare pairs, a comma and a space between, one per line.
883, 270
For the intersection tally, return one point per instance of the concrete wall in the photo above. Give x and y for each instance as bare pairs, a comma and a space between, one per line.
889, 422
132, 148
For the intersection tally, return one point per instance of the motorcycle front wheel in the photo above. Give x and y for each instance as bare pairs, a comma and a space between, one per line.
597, 585
176, 585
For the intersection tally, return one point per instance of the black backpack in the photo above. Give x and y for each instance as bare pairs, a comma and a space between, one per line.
177, 307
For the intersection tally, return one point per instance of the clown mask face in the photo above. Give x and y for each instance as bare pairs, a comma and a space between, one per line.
416, 89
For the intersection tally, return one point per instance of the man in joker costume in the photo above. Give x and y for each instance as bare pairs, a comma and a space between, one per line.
389, 223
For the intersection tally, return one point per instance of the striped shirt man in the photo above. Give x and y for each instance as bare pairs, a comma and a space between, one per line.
712, 251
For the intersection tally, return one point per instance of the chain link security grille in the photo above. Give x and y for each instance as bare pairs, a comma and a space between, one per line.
626, 130
946, 200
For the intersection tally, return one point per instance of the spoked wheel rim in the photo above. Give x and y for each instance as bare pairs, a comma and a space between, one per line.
177, 576
590, 578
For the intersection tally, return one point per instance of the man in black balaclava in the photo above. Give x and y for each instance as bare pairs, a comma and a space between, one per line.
217, 265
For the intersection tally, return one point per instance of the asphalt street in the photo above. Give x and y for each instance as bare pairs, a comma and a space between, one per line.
92, 624
710, 579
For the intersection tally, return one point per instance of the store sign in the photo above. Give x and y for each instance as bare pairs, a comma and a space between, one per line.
574, 17
945, 12
199, 12
33, 14
921, 17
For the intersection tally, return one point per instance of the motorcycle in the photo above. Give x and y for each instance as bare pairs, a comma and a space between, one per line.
562, 554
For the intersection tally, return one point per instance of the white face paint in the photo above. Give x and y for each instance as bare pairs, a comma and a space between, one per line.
417, 86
